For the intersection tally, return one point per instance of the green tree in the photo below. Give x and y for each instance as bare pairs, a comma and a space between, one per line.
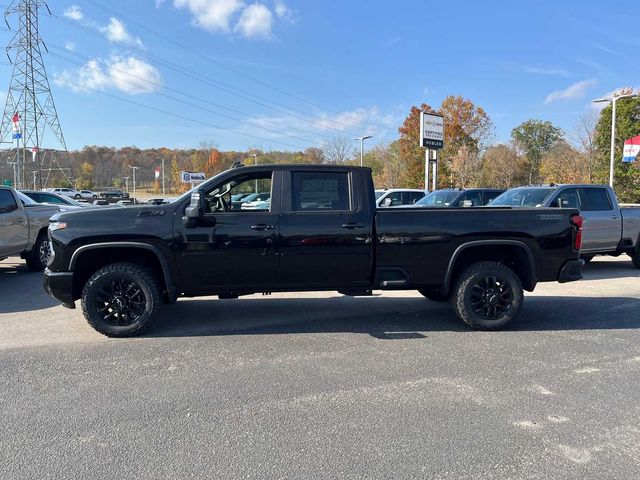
535, 138
85, 180
626, 175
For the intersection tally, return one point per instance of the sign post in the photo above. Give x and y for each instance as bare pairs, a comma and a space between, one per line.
431, 138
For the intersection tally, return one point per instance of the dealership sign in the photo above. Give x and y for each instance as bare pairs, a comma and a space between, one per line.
431, 130
191, 177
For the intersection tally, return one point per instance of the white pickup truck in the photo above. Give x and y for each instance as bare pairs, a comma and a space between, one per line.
607, 229
23, 228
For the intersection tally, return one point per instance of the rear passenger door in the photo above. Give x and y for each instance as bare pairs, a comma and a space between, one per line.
14, 226
602, 228
325, 231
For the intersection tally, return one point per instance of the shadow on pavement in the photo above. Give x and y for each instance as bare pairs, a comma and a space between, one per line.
602, 270
21, 290
382, 317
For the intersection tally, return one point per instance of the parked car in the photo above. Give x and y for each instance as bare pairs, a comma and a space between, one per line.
23, 228
260, 201
395, 197
67, 192
322, 232
114, 193
459, 197
125, 202
65, 203
608, 228
88, 194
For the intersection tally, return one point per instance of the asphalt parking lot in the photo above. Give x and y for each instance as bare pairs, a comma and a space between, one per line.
325, 386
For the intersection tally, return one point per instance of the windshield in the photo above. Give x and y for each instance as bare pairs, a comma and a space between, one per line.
439, 198
25, 200
522, 197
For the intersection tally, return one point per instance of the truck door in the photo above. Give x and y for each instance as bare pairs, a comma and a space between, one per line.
14, 225
232, 248
602, 228
325, 230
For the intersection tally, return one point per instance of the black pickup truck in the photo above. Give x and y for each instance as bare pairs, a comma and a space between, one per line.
319, 230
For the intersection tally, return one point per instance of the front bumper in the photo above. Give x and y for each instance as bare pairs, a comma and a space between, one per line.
571, 271
60, 286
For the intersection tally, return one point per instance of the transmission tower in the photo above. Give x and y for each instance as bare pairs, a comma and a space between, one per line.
30, 120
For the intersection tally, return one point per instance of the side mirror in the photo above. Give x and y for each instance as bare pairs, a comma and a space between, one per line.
387, 202
195, 210
559, 203
466, 203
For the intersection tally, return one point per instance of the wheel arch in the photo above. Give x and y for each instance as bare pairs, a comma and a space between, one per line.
89, 258
515, 254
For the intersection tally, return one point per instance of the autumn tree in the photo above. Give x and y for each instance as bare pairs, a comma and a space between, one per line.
389, 167
412, 154
502, 167
626, 175
564, 164
85, 179
465, 167
584, 136
314, 155
214, 164
535, 138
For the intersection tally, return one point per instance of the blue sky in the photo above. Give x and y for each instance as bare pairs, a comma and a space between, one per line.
307, 70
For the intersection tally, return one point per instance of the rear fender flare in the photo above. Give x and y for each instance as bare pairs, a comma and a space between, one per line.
489, 243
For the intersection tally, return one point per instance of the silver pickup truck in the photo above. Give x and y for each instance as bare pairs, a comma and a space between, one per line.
23, 228
608, 228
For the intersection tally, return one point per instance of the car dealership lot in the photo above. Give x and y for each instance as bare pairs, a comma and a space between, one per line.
321, 385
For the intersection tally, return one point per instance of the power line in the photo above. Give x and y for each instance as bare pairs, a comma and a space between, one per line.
257, 99
183, 102
199, 99
141, 26
177, 115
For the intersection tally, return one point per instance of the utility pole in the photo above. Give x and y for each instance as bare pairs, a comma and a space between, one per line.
163, 175
35, 174
126, 182
255, 162
15, 173
30, 112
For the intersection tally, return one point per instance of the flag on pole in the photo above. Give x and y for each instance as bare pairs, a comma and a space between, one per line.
34, 152
157, 173
631, 149
16, 126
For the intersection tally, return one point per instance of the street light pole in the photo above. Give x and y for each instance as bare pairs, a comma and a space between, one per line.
255, 162
126, 183
163, 176
613, 101
362, 139
134, 182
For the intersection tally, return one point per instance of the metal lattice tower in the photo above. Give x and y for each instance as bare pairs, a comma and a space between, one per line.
29, 96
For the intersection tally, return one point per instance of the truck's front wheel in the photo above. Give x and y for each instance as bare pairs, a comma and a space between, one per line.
487, 295
121, 299
39, 255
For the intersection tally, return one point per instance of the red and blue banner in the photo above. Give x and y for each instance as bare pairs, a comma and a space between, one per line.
631, 149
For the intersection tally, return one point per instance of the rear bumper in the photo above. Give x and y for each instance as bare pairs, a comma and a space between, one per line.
60, 286
571, 271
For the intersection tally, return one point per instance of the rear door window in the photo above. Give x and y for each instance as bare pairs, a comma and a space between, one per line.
474, 197
318, 191
7, 202
595, 199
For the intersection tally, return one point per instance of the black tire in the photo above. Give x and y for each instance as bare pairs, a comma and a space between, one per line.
121, 299
635, 258
586, 258
78, 196
95, 196
39, 255
487, 295
434, 294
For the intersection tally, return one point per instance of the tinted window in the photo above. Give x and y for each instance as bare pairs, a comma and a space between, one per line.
251, 193
472, 196
522, 197
391, 200
7, 202
320, 191
566, 199
441, 198
414, 197
489, 196
595, 200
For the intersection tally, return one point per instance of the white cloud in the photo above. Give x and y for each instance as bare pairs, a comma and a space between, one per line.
212, 15
159, 3
255, 21
71, 46
283, 11
74, 12
562, 72
572, 92
126, 74
116, 32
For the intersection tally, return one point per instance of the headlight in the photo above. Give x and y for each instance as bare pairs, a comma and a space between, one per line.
53, 226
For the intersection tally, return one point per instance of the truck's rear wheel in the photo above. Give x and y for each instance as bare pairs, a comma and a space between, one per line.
39, 255
434, 294
121, 299
487, 295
